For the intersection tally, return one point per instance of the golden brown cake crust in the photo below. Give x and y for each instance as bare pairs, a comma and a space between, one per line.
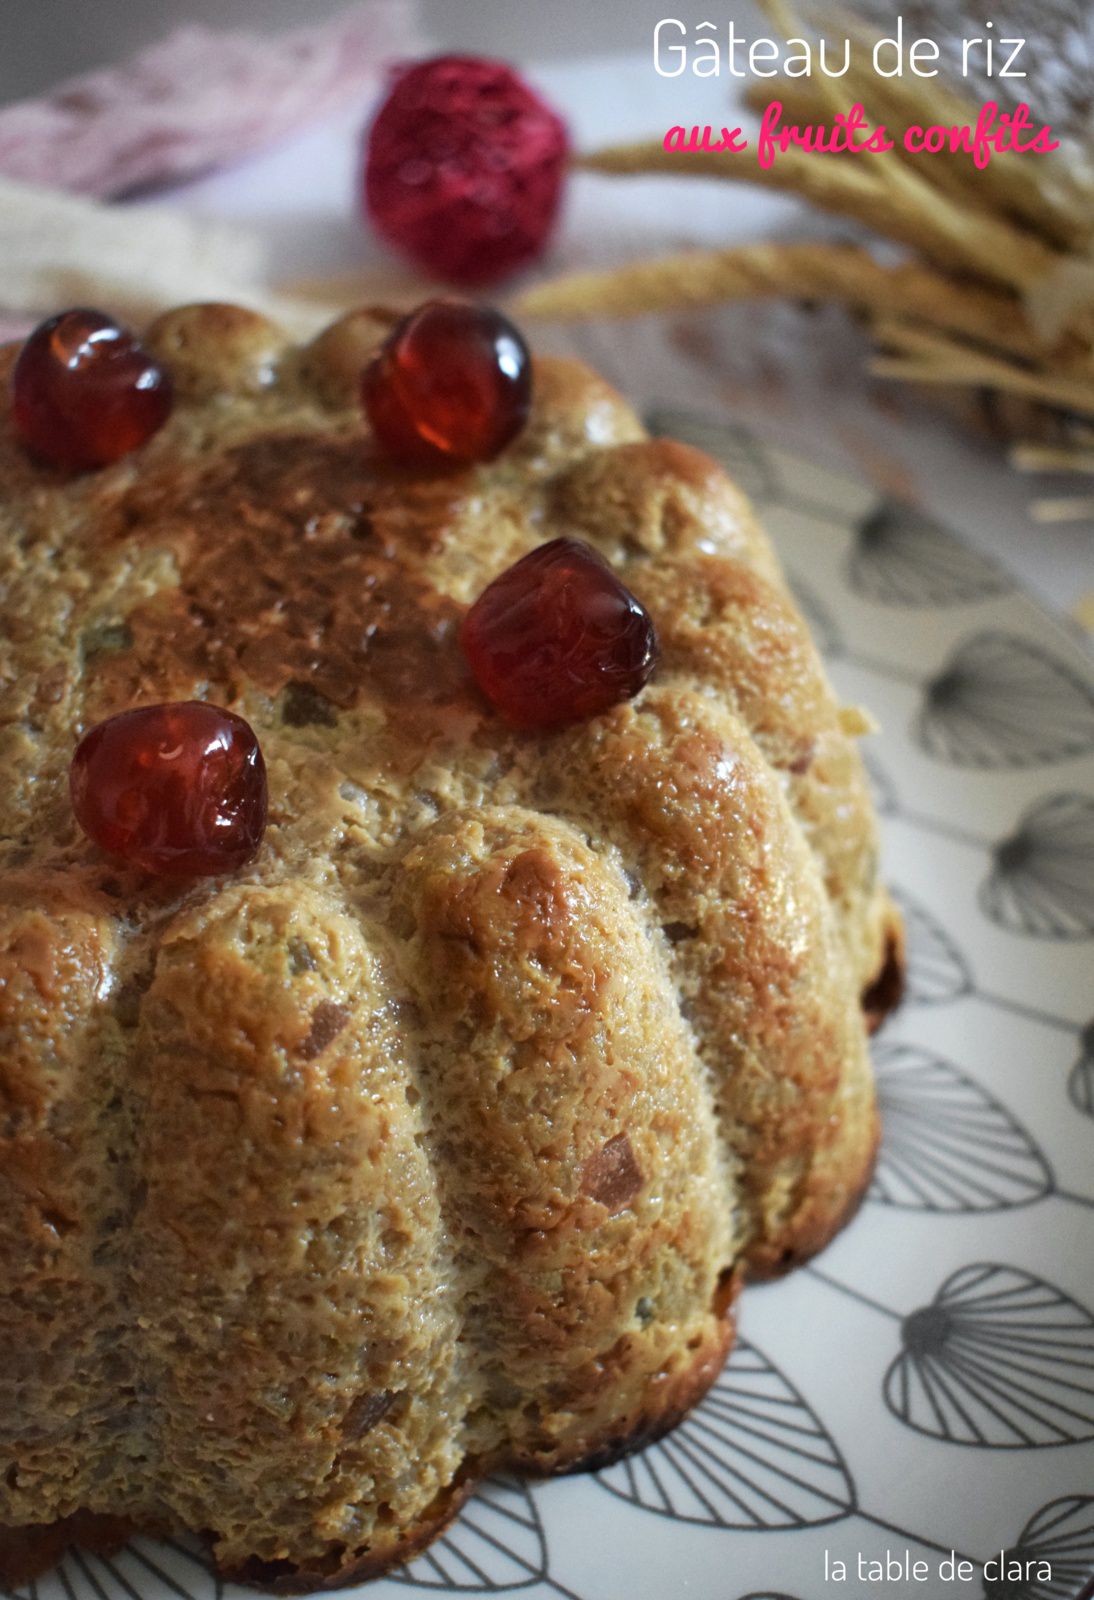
440, 1137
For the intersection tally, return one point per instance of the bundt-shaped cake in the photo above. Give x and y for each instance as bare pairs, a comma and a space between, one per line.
439, 1136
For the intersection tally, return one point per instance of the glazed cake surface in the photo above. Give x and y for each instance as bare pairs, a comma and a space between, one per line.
441, 1136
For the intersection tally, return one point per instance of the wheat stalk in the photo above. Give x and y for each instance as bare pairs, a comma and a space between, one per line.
1055, 203
1067, 509
996, 289
843, 273
927, 356
954, 235
1051, 458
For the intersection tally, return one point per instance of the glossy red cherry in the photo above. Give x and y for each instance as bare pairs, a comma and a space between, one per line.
178, 790
84, 392
557, 637
453, 383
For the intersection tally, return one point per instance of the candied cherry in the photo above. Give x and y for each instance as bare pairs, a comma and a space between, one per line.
558, 637
451, 384
84, 392
178, 790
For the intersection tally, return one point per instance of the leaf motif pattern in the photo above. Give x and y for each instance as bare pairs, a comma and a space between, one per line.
1080, 1085
1002, 701
822, 624
946, 1144
1061, 1535
936, 969
902, 557
496, 1544
752, 1455
171, 1570
1042, 879
999, 1358
738, 451
882, 787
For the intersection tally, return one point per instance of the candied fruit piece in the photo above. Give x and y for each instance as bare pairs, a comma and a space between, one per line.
451, 384
84, 392
178, 790
558, 637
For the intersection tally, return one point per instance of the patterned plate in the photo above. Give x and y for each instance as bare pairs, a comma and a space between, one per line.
925, 1392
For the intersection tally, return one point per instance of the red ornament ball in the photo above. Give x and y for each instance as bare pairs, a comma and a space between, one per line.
178, 790
558, 638
84, 392
452, 384
464, 168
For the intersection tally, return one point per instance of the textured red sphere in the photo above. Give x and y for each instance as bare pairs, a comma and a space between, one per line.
453, 383
558, 637
178, 790
464, 168
84, 392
